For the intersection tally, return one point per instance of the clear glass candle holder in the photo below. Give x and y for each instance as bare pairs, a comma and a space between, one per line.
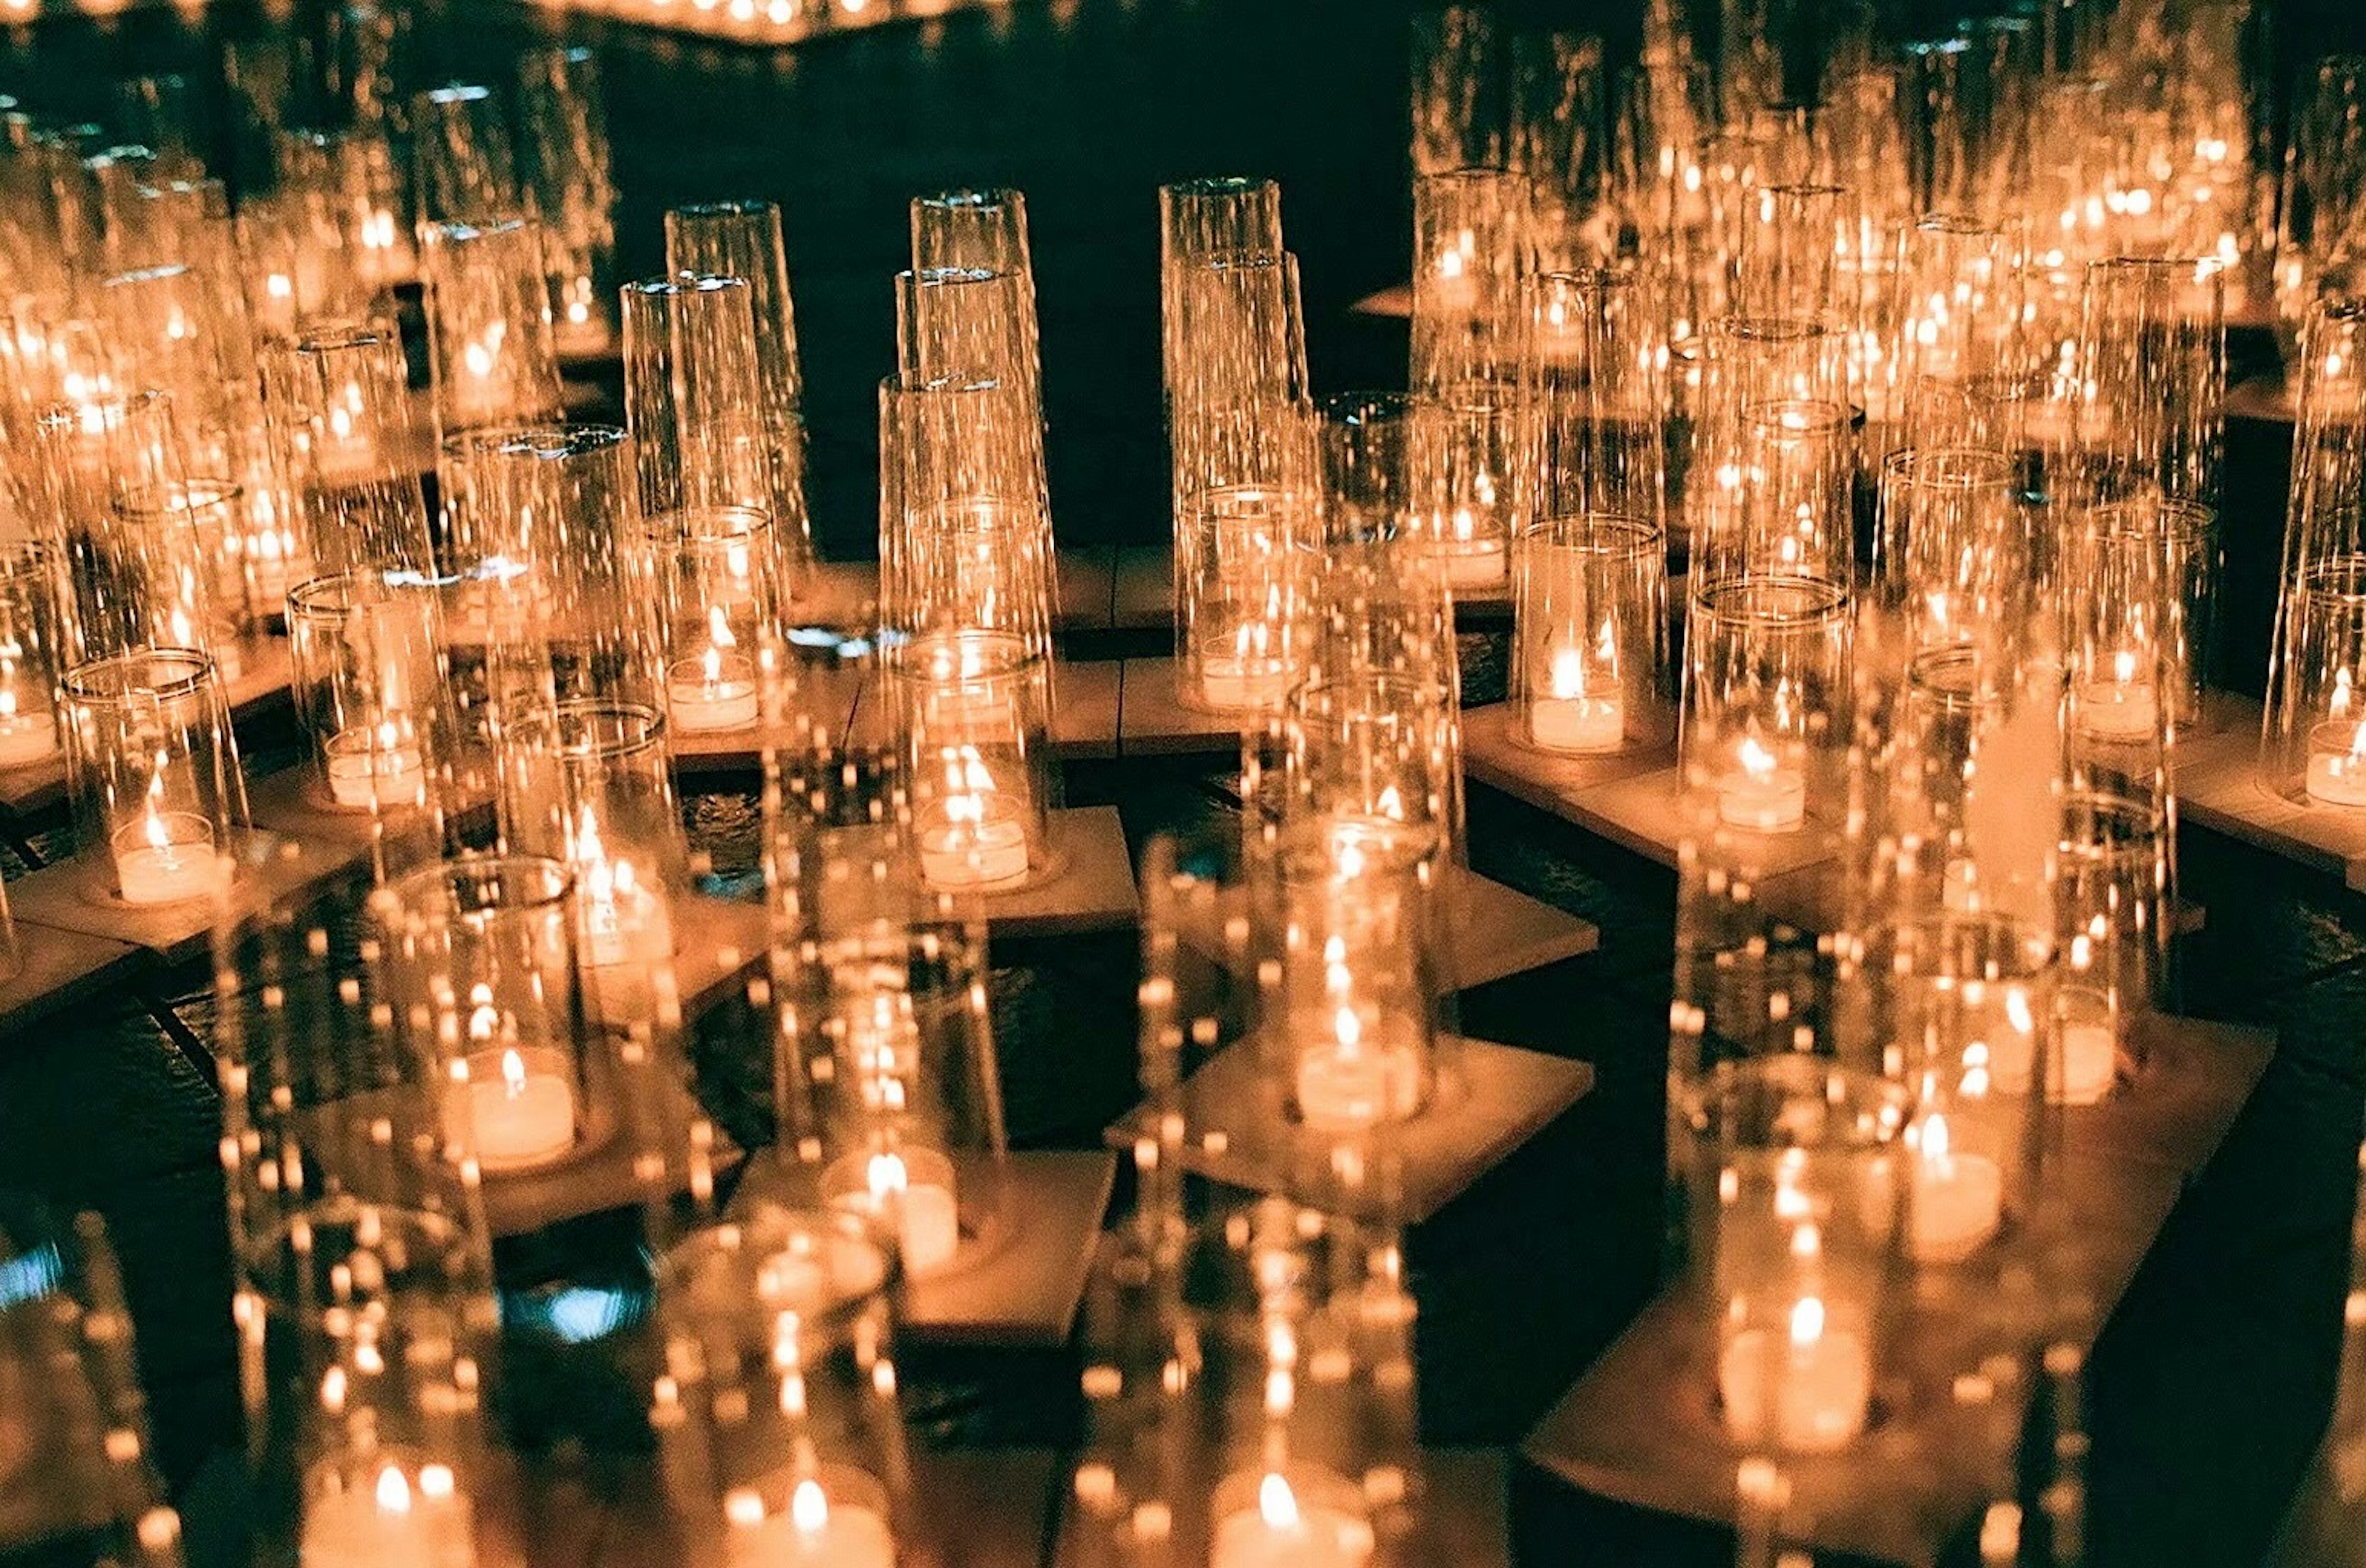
780, 1433
1245, 558
1590, 636
722, 600
479, 964
369, 687
2137, 592
152, 768
1791, 511
492, 355
2149, 385
589, 782
1748, 362
338, 404
885, 1070
1949, 555
1766, 694
1473, 248
1798, 1225
565, 164
464, 167
1374, 755
971, 708
29, 654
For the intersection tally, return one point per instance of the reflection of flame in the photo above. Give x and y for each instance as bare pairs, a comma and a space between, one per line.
1807, 1321
393, 1491
2123, 667
1756, 760
1277, 1503
1348, 1028
886, 1174
809, 1508
513, 1073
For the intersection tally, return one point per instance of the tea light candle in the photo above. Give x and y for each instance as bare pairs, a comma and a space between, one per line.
1821, 1378
715, 691
1280, 1531
1571, 719
1238, 683
928, 1227
1958, 1199
392, 1524
363, 772
1454, 288
622, 921
817, 1531
521, 1105
166, 857
2122, 709
1474, 562
481, 393
1360, 1071
980, 835
1761, 796
25, 738
2090, 1062
2336, 763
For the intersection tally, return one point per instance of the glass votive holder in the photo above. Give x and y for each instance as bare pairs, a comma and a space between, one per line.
153, 767
369, 686
886, 1057
722, 601
2114, 891
1949, 552
2315, 738
479, 965
1590, 634
1375, 754
1766, 694
1469, 451
972, 708
338, 405
1800, 1224
1245, 560
492, 354
589, 782
2137, 592
29, 654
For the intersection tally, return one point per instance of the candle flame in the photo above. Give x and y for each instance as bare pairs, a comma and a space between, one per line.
393, 1491
2358, 744
513, 1073
153, 826
1807, 1321
809, 1508
1348, 1028
1756, 760
2123, 667
1391, 805
1568, 678
718, 628
1277, 1503
885, 1173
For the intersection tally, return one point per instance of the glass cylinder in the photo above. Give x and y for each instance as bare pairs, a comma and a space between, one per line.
1788, 255
2138, 596
1382, 605
1952, 319
478, 967
2313, 748
1792, 510
2323, 183
153, 767
1798, 1225
1202, 222
565, 164
1458, 76
463, 168
2149, 386
887, 1078
742, 239
780, 1436
1473, 247
490, 349
1372, 754
369, 687
1766, 694
29, 652
1591, 618
1748, 364
1950, 554
339, 410
1560, 138
971, 709
365, 1309
693, 400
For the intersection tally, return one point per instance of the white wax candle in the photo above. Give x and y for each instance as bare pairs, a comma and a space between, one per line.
2336, 764
1232, 685
2122, 709
929, 1225
521, 1107
623, 920
715, 691
1475, 563
26, 739
975, 836
165, 858
2090, 1063
1820, 1377
1958, 1203
1284, 1531
361, 775
391, 1522
817, 1530
1358, 1073
1578, 724
1761, 796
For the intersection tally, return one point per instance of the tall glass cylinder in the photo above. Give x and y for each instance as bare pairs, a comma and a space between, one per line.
492, 354
2150, 386
370, 691
463, 169
338, 410
971, 708
1766, 703
564, 162
1474, 245
151, 765
29, 650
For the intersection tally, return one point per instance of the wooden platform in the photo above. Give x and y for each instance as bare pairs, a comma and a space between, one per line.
1641, 1429
2219, 787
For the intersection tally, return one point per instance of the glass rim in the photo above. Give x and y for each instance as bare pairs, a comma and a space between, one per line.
86, 682
1006, 656
439, 891
1956, 468
736, 206
1819, 602
745, 1247
1780, 1085
2166, 518
540, 440
683, 284
1623, 536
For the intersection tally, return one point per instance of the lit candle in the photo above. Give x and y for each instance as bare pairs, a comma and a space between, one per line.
374, 769
929, 1213
343, 450
715, 691
2336, 763
520, 1101
1570, 718
2090, 1062
1455, 288
978, 838
1360, 1071
392, 1523
622, 922
273, 566
25, 738
1280, 1531
166, 857
1472, 559
1759, 795
1239, 674
2122, 709
481, 393
817, 1531
1822, 1379
1958, 1199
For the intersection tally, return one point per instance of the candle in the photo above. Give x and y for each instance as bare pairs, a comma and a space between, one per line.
818, 1531
25, 738
520, 1101
1231, 684
979, 839
387, 773
715, 691
1759, 795
166, 857
1360, 1073
1569, 718
2122, 709
929, 1214
392, 1524
1454, 288
622, 922
1281, 1531
343, 450
1473, 561
1958, 1199
1820, 1377
2090, 1062
2336, 763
